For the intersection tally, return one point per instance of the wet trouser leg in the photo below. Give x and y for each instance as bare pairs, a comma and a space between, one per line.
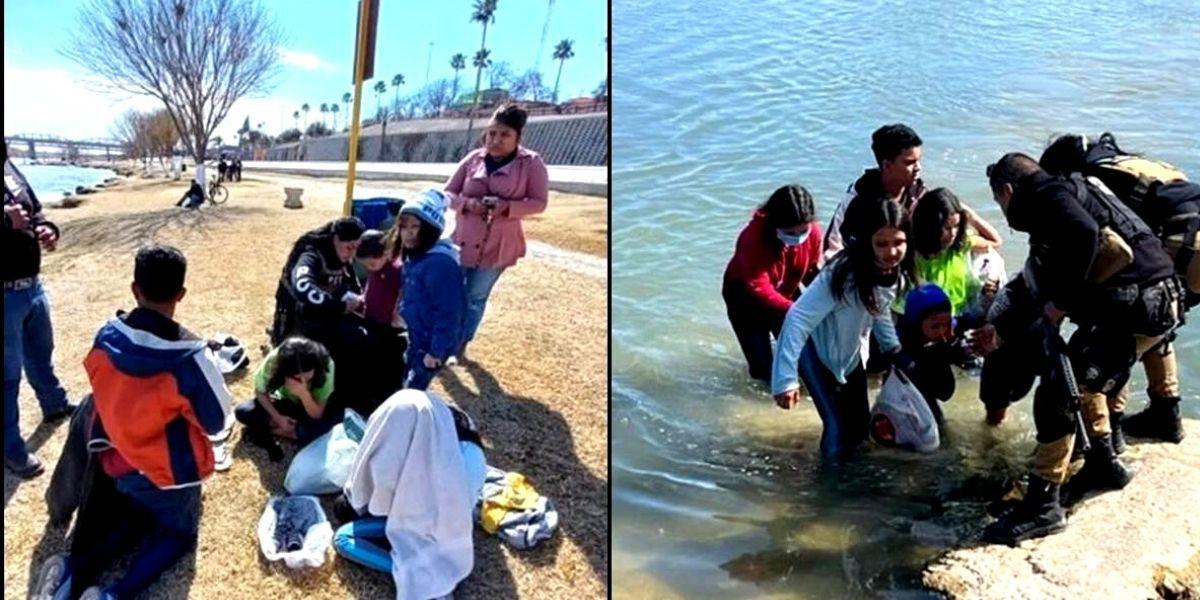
753, 335
843, 407
1009, 373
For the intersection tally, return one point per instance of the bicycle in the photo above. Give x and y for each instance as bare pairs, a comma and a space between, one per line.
217, 193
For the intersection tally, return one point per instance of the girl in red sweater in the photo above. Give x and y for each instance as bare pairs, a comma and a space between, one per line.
777, 254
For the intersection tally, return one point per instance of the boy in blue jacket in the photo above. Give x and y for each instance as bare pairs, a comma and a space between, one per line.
433, 304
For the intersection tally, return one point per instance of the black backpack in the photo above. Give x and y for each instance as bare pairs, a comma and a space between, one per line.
1157, 192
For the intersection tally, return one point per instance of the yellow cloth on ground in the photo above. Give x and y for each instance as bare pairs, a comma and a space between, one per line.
517, 494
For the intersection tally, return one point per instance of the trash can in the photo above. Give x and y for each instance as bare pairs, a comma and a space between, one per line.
377, 213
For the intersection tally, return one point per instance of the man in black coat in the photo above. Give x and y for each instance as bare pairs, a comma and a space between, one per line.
1093, 260
28, 335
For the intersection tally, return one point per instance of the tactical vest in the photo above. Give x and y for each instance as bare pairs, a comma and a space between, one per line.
1160, 194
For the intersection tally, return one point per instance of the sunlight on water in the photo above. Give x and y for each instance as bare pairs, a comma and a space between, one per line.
716, 492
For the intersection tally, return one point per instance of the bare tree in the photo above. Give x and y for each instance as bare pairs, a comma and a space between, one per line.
130, 130
435, 97
500, 75
529, 86
163, 136
196, 56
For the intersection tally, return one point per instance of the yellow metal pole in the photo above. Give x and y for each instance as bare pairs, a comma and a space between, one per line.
358, 81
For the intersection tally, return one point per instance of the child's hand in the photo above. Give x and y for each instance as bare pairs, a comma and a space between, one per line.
432, 362
295, 386
984, 340
990, 287
284, 427
789, 399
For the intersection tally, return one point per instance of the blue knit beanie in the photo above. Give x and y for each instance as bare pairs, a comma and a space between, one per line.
430, 207
923, 301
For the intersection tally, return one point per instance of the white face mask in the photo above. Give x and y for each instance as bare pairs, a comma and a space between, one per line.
790, 239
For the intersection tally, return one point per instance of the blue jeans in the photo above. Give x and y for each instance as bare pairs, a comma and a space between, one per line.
478, 283
843, 407
28, 343
364, 541
176, 514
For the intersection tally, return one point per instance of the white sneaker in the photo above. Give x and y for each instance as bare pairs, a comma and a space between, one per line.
451, 361
52, 581
95, 593
222, 459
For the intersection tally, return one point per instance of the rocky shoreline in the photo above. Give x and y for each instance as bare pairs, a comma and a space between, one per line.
1140, 542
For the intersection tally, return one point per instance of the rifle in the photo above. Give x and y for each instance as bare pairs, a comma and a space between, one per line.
1059, 365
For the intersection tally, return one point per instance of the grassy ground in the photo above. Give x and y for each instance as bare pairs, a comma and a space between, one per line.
538, 390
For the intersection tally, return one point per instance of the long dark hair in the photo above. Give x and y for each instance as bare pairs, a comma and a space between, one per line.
789, 206
295, 356
930, 216
856, 262
426, 239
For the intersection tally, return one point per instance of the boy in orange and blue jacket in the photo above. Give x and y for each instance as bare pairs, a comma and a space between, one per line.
158, 394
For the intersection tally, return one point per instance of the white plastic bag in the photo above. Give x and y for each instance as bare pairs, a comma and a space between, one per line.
903, 405
317, 538
989, 265
324, 465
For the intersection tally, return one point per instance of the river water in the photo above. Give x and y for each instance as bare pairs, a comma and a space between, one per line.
50, 181
716, 492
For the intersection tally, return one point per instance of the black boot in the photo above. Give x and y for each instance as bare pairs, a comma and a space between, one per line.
1039, 514
1118, 435
1159, 421
1102, 471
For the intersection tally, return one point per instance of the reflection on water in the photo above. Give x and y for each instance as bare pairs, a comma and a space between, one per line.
717, 492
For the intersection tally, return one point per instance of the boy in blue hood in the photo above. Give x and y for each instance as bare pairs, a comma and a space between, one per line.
434, 303
926, 330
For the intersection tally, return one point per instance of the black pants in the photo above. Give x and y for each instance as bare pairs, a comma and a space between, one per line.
370, 364
257, 420
1009, 371
108, 525
753, 331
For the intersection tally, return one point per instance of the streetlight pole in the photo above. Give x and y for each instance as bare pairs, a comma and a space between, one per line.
428, 62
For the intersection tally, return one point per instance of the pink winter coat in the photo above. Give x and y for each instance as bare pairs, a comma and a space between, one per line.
523, 188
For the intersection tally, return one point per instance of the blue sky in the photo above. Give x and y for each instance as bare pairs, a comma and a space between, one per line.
47, 93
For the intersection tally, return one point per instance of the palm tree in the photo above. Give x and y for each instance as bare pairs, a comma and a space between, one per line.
305, 109
562, 52
458, 62
346, 98
397, 81
296, 119
333, 108
380, 88
482, 61
324, 111
484, 13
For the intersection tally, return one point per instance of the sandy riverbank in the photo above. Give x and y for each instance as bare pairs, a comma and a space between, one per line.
539, 390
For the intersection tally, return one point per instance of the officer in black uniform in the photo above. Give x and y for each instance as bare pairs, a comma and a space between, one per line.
1093, 260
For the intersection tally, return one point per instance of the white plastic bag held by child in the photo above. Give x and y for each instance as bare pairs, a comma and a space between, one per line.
901, 417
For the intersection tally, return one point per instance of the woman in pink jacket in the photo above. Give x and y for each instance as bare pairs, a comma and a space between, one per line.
493, 189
